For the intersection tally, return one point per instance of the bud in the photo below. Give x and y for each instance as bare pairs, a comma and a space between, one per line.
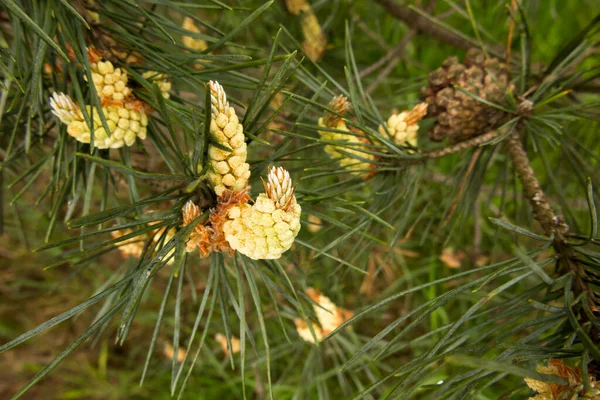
295, 7
169, 352
65, 108
314, 223
218, 99
190, 212
328, 314
200, 236
279, 187
315, 42
210, 236
132, 247
314, 39
125, 125
341, 106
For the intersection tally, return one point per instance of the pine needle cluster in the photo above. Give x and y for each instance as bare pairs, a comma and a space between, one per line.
440, 236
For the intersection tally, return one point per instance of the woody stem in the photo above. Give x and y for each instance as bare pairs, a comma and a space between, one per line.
545, 215
467, 144
542, 210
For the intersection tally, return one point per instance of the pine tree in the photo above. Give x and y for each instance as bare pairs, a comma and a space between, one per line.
366, 219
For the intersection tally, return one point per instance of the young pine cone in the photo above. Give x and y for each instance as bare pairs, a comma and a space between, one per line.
125, 124
110, 82
161, 80
315, 41
268, 228
210, 237
229, 168
460, 116
340, 152
403, 127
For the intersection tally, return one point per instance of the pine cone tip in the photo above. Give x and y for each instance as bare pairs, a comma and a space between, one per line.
417, 113
218, 98
279, 187
190, 211
341, 106
64, 107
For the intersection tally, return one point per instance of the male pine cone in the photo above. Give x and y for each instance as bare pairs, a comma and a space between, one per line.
403, 128
125, 124
346, 149
268, 228
452, 91
164, 85
110, 82
229, 167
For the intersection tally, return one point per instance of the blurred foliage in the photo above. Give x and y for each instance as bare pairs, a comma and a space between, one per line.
457, 291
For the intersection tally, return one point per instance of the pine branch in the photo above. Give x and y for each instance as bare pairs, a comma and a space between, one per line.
391, 59
422, 24
392, 54
467, 144
370, 33
551, 224
452, 149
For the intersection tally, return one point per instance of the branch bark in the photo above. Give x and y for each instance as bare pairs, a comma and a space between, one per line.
446, 151
467, 144
543, 212
422, 24
396, 52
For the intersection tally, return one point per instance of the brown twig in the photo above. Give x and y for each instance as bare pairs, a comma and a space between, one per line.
544, 214
542, 210
422, 24
370, 33
446, 151
477, 233
491, 191
396, 56
391, 53
511, 28
467, 144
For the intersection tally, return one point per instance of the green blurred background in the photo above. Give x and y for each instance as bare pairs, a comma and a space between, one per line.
30, 294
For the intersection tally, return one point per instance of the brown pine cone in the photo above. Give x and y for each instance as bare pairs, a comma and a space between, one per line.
460, 116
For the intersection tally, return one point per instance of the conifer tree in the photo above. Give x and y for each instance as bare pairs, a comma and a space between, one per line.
339, 199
